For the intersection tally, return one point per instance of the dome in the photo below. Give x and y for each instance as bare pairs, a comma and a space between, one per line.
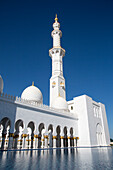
60, 103
56, 24
1, 84
33, 94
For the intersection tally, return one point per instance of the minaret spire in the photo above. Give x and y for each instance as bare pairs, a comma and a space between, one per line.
56, 19
57, 81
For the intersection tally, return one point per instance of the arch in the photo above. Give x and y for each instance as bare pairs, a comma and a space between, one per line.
58, 140
58, 130
99, 134
50, 127
30, 137
5, 122
71, 134
98, 128
50, 135
31, 125
6, 125
71, 131
41, 127
65, 131
65, 137
19, 123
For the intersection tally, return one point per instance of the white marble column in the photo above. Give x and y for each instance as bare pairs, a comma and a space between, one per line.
74, 138
10, 144
28, 142
62, 141
62, 137
16, 136
75, 141
24, 142
3, 141
50, 140
32, 141
68, 141
42, 141
36, 141
0, 141
54, 140
46, 140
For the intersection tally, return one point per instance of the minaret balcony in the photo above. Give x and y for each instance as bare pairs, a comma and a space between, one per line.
55, 50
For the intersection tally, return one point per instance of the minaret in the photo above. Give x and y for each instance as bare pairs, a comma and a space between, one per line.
1, 84
57, 81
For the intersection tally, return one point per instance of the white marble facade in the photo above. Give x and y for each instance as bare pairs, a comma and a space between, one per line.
25, 122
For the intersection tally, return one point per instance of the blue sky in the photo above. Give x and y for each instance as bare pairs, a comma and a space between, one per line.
25, 39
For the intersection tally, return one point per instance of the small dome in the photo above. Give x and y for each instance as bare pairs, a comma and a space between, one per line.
60, 103
33, 94
56, 24
1, 84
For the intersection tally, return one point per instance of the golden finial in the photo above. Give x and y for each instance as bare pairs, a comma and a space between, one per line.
33, 83
59, 94
56, 19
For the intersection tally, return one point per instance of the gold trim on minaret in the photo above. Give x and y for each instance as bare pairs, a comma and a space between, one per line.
56, 19
33, 83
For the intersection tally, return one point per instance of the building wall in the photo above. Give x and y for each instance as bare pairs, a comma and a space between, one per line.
16, 110
105, 124
38, 116
8, 109
88, 121
85, 125
80, 107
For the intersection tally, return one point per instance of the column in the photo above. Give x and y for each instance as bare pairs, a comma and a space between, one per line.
62, 141
3, 141
0, 141
32, 141
68, 137
75, 141
54, 141
71, 141
46, 140
68, 141
24, 141
16, 140
27, 141
42, 141
20, 142
74, 138
50, 140
39, 141
62, 137
10, 144
36, 141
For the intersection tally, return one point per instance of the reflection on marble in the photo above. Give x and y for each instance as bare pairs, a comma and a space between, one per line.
82, 158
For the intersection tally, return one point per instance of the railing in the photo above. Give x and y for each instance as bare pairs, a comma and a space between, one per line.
6, 96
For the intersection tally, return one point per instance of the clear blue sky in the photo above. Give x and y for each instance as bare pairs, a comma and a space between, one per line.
25, 39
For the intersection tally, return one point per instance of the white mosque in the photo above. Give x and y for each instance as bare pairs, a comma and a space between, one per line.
25, 122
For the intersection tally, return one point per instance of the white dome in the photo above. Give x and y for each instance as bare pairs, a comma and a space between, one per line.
60, 103
32, 94
1, 84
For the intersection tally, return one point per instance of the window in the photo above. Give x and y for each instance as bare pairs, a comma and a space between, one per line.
71, 107
96, 110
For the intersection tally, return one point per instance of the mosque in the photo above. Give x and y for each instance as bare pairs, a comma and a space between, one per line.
25, 122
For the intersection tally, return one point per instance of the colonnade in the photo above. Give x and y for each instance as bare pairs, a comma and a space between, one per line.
34, 138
